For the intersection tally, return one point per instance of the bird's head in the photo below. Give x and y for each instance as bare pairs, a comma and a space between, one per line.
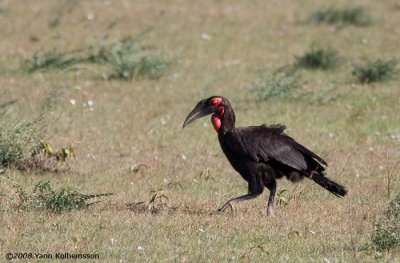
214, 105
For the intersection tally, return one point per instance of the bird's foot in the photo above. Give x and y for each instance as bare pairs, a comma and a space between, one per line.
270, 212
222, 209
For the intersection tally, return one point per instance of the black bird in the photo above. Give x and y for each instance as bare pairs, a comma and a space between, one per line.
261, 154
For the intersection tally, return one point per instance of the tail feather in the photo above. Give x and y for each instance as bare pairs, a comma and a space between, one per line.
328, 184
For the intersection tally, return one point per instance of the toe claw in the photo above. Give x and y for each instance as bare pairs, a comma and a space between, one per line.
222, 209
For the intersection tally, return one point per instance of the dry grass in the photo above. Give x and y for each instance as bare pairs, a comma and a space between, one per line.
220, 47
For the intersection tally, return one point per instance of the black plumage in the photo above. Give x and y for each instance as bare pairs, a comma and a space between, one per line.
262, 154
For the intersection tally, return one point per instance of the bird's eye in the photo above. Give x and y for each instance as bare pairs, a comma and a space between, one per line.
215, 101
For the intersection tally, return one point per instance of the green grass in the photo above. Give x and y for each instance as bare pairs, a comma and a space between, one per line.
129, 59
319, 58
18, 139
394, 208
130, 142
43, 197
52, 59
340, 17
126, 58
387, 235
375, 71
281, 84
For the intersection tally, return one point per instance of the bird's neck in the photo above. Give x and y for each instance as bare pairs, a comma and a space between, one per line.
224, 120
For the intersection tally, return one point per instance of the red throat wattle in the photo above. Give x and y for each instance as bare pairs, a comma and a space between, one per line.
216, 118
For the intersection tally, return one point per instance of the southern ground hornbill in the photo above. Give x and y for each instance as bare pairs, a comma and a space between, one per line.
261, 154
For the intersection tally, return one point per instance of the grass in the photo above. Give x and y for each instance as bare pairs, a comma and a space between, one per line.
394, 208
340, 17
131, 141
319, 58
281, 84
65, 8
43, 197
126, 58
18, 139
22, 145
387, 236
129, 59
51, 59
375, 71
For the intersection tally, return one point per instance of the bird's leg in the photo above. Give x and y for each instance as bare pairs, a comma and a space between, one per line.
236, 200
272, 190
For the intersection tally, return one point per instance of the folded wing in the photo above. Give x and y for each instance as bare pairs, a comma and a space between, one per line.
263, 143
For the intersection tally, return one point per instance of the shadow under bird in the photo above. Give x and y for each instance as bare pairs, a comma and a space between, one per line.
262, 154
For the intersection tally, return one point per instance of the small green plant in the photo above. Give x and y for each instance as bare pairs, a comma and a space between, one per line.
127, 58
17, 140
50, 60
340, 17
387, 235
279, 84
375, 71
319, 58
43, 197
394, 208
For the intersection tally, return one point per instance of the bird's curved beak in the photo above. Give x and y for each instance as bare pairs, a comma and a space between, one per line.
201, 110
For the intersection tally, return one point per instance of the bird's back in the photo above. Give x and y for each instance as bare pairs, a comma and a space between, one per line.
268, 145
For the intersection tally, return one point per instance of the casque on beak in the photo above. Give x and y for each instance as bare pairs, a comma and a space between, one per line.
202, 109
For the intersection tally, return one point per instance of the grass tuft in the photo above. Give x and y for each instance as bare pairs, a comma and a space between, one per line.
387, 235
319, 58
43, 197
51, 60
17, 140
127, 58
375, 71
394, 208
22, 146
340, 17
279, 84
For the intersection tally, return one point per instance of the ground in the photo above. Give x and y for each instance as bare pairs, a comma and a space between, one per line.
215, 48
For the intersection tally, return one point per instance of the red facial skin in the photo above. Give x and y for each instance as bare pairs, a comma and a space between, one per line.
216, 118
216, 122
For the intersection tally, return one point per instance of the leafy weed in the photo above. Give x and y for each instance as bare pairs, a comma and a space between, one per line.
44, 197
375, 71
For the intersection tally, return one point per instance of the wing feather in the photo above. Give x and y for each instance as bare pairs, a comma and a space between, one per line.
263, 143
